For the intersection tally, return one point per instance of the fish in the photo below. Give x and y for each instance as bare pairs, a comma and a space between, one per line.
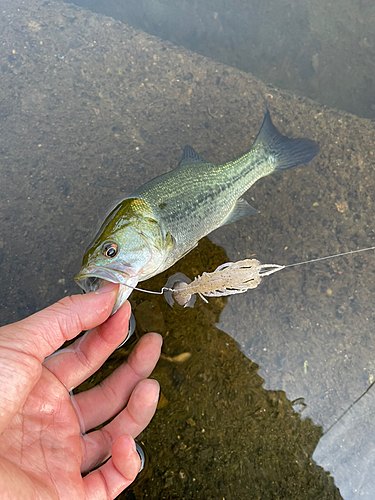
163, 220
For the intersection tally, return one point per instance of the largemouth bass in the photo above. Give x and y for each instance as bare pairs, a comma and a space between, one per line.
165, 218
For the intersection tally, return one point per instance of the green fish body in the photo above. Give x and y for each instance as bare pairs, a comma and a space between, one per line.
165, 218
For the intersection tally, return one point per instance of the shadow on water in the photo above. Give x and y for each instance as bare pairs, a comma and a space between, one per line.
217, 432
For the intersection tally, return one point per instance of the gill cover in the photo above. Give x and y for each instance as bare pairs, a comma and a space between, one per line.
130, 243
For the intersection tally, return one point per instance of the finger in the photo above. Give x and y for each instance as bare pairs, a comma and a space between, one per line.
25, 344
105, 400
86, 355
42, 333
115, 475
97, 445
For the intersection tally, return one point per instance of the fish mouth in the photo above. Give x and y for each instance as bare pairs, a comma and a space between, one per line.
93, 278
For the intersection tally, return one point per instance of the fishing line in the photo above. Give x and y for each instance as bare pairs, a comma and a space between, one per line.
149, 291
331, 256
349, 408
165, 289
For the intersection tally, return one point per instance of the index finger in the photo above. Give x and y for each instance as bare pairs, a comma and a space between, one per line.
45, 331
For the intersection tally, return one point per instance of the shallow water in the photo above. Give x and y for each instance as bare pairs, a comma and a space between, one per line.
90, 109
324, 50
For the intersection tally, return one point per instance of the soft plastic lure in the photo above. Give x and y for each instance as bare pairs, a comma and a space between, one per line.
228, 279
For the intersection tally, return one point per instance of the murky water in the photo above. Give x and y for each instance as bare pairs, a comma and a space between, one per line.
265, 403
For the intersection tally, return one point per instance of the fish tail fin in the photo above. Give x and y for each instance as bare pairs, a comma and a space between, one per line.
280, 150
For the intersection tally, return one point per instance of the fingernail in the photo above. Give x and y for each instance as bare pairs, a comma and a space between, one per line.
107, 288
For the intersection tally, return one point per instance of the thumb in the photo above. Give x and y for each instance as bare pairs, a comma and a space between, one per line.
45, 331
24, 345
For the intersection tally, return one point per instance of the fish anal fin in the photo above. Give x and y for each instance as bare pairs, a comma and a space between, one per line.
240, 210
189, 156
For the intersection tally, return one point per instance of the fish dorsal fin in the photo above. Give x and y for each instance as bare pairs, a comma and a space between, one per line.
190, 156
240, 210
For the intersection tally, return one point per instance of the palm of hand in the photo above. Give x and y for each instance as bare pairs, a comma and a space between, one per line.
43, 440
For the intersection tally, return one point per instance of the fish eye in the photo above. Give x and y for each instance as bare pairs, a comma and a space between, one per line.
110, 250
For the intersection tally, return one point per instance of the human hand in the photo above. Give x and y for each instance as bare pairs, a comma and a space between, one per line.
43, 452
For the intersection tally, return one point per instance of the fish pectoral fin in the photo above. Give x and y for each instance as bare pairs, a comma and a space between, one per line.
240, 210
190, 156
170, 241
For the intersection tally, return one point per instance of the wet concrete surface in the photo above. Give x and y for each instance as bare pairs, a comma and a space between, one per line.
89, 110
